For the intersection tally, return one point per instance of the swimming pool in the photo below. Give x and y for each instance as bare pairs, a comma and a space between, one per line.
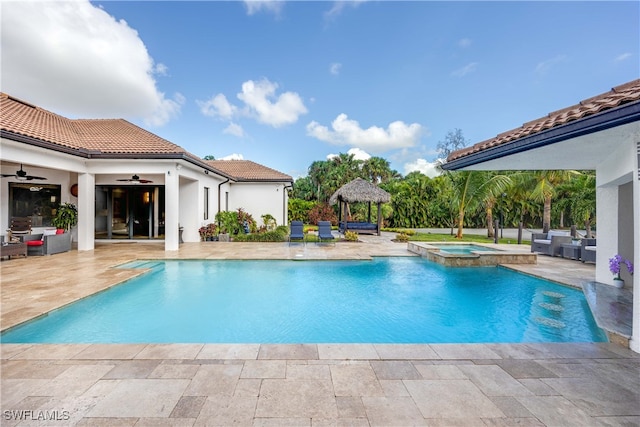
387, 300
463, 249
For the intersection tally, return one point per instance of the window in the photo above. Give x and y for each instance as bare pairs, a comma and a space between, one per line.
38, 201
206, 202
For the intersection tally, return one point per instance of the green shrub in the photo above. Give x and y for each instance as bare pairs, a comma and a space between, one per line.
299, 210
351, 236
402, 237
278, 235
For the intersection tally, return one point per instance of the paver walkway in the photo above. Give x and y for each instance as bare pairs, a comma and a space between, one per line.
581, 384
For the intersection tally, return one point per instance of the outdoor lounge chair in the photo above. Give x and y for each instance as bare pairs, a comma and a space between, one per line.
588, 250
550, 243
47, 243
296, 232
324, 232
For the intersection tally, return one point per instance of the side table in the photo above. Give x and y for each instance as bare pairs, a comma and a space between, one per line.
571, 251
12, 249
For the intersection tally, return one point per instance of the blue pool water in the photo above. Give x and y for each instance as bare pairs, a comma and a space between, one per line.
462, 249
387, 300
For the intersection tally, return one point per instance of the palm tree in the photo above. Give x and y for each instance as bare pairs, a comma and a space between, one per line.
544, 189
583, 200
377, 170
472, 188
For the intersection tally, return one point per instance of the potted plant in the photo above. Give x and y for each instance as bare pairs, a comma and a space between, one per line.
66, 217
615, 264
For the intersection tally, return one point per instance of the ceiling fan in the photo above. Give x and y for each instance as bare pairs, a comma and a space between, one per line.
22, 175
135, 179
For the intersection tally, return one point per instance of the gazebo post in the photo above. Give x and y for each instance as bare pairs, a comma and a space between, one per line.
379, 217
369, 215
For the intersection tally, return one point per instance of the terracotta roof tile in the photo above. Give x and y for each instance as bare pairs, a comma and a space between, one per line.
619, 95
104, 136
112, 136
246, 170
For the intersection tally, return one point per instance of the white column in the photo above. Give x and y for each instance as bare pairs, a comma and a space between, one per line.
634, 344
607, 246
86, 211
171, 210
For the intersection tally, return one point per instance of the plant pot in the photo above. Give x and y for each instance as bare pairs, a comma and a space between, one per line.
223, 237
618, 283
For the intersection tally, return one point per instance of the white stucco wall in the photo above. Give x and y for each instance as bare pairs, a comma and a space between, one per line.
259, 199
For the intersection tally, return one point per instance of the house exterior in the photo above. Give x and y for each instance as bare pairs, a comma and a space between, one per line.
601, 133
126, 182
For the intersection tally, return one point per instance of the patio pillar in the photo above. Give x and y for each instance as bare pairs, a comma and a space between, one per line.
634, 344
86, 211
607, 246
171, 210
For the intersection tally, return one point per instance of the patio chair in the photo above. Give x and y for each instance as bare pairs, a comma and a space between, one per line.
588, 253
550, 243
324, 232
296, 232
20, 225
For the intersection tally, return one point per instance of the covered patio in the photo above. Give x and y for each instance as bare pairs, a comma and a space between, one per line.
601, 133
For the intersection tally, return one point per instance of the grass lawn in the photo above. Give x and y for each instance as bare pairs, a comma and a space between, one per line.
471, 238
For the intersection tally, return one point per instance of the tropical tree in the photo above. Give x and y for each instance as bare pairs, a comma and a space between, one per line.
377, 170
454, 140
583, 200
304, 189
544, 185
472, 188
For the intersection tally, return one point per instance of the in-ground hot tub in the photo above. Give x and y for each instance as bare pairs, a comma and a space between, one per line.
470, 255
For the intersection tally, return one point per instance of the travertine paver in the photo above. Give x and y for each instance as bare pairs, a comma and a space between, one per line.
390, 391
451, 399
296, 398
355, 380
141, 398
295, 384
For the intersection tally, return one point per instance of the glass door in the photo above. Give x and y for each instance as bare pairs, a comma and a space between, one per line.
129, 212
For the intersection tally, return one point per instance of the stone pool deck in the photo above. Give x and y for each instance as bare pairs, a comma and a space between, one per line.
581, 384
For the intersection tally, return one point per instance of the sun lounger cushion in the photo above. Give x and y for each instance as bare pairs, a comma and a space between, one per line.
547, 241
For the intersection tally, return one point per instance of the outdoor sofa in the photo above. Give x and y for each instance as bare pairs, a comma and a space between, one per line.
588, 250
550, 243
47, 244
359, 227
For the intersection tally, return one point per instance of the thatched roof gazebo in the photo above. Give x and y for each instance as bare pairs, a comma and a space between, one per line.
360, 190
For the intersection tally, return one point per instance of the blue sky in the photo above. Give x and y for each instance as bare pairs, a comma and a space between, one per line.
288, 83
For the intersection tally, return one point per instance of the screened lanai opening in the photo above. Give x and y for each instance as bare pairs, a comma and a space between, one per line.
129, 212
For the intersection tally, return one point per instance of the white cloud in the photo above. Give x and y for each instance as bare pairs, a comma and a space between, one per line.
262, 103
234, 156
358, 154
338, 7
469, 68
217, 106
74, 58
235, 130
623, 56
421, 165
465, 42
335, 68
375, 139
544, 66
255, 6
